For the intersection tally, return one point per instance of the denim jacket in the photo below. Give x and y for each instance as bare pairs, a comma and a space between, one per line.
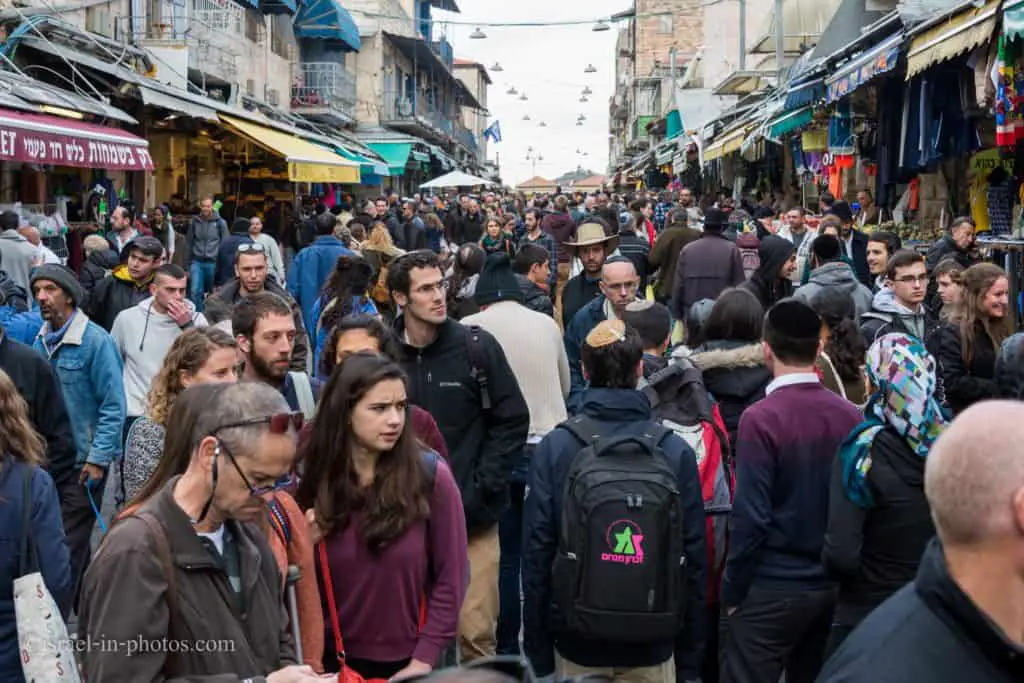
89, 367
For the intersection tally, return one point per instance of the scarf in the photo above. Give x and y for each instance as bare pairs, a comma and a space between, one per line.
904, 374
494, 244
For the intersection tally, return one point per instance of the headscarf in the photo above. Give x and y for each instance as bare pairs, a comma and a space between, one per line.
904, 373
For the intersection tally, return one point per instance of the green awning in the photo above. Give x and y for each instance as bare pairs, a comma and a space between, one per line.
789, 122
366, 166
1013, 19
394, 154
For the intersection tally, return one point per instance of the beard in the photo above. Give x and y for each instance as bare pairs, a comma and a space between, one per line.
266, 370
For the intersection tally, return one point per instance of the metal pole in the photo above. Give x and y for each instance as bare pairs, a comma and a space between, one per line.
780, 41
743, 35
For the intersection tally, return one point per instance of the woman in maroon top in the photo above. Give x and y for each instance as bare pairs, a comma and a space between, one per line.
392, 523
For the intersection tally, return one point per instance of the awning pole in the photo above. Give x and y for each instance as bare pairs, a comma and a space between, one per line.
780, 40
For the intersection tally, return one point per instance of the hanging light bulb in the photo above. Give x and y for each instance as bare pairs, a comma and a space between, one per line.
601, 26
584, 99
591, 69
477, 34
526, 117
582, 117
523, 97
512, 91
497, 67
543, 124
588, 91
579, 123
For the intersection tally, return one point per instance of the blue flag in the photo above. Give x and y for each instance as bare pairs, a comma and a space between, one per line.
493, 132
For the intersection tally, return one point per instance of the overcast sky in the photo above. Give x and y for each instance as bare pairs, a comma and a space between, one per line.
547, 63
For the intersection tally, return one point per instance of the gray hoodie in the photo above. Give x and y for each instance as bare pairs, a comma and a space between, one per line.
204, 237
887, 315
17, 258
839, 275
143, 338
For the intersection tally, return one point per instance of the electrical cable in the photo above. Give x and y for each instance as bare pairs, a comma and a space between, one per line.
507, 24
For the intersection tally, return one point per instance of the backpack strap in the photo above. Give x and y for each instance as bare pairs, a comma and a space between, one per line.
304, 394
323, 312
163, 551
478, 363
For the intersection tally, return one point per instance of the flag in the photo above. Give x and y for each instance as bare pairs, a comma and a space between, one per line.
493, 132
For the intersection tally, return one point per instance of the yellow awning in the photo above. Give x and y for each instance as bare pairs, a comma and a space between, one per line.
952, 36
307, 162
728, 143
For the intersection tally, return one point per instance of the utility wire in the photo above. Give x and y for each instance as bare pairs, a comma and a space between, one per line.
505, 24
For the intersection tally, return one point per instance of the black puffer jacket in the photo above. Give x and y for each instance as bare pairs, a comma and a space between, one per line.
1010, 368
962, 384
115, 293
735, 374
536, 299
99, 264
874, 552
765, 283
12, 294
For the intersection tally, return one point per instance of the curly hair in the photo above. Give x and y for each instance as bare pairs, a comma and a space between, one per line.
346, 285
186, 356
977, 280
17, 436
845, 345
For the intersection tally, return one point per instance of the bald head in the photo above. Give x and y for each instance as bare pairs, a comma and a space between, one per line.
619, 282
31, 234
974, 477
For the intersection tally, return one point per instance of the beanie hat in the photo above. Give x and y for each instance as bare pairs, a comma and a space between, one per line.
497, 282
62, 277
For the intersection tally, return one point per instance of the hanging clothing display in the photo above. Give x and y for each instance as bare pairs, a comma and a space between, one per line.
1009, 91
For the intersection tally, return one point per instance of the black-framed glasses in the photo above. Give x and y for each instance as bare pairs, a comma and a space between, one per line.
278, 424
913, 279
246, 247
254, 491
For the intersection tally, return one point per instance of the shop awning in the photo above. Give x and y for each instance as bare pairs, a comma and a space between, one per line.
1013, 19
728, 143
367, 166
664, 153
880, 59
57, 141
171, 102
801, 94
951, 36
327, 20
789, 122
394, 154
278, 6
307, 163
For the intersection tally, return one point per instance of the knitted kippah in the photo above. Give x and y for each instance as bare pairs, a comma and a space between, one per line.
607, 332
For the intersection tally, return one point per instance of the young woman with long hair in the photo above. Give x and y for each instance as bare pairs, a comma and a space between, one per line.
284, 525
21, 459
345, 293
949, 283
379, 251
200, 355
495, 240
394, 533
966, 348
841, 362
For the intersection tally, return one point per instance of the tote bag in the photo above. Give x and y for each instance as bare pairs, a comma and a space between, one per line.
46, 653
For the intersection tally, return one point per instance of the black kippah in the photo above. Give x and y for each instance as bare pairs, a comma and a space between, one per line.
794, 319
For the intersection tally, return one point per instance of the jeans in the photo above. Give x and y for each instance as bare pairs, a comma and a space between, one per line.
775, 631
510, 534
201, 274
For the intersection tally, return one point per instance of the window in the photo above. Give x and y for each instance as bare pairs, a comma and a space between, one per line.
665, 23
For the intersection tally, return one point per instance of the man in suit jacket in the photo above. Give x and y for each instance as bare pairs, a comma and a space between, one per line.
854, 242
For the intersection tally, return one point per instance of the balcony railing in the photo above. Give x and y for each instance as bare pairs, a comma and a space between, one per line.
323, 85
465, 136
398, 107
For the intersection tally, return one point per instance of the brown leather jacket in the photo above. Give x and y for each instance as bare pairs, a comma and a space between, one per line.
124, 611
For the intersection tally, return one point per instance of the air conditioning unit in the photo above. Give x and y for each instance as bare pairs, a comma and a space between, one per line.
273, 97
250, 87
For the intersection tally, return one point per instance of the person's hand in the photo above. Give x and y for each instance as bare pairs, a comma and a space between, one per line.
179, 313
293, 674
90, 473
315, 532
413, 669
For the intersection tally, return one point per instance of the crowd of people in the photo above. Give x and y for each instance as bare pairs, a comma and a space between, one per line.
636, 436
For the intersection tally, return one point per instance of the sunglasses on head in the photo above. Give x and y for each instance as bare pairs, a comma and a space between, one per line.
277, 424
251, 246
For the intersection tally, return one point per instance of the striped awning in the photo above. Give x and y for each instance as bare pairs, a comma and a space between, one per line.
789, 122
728, 143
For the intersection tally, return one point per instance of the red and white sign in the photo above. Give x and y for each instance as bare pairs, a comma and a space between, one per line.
53, 141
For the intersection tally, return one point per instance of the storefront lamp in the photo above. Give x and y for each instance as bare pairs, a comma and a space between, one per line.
61, 111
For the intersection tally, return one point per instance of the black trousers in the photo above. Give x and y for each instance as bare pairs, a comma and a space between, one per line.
79, 519
776, 631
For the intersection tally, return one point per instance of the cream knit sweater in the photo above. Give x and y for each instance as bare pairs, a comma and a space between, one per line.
533, 345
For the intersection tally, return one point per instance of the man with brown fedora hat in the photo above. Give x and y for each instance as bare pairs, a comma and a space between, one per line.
592, 246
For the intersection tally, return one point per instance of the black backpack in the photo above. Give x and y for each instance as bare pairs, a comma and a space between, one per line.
619, 572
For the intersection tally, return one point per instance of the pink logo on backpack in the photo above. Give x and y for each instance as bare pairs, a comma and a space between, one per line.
625, 540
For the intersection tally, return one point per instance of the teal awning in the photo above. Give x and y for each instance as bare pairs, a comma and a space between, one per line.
366, 166
789, 122
394, 154
1013, 19
327, 20
278, 6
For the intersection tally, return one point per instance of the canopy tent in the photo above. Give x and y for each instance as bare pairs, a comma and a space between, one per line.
456, 179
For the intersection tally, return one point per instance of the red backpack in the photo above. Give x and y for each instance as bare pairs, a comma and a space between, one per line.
681, 403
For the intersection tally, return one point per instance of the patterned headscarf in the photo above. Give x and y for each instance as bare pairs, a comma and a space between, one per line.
904, 373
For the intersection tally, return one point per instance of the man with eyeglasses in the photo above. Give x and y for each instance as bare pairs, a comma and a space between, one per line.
462, 377
619, 287
898, 307
228, 248
252, 277
187, 585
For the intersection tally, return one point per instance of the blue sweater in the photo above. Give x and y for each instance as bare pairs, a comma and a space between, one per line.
780, 511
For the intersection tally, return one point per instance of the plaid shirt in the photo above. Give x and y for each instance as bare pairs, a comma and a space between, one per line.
660, 214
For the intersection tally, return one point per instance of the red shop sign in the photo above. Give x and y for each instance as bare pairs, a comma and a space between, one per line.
54, 141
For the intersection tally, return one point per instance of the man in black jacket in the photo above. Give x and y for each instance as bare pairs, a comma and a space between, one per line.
461, 376
127, 284
37, 383
532, 267
956, 244
960, 618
